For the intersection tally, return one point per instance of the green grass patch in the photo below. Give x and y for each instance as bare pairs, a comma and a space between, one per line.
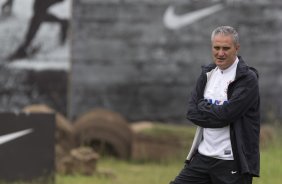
271, 164
128, 172
40, 180
114, 171
181, 132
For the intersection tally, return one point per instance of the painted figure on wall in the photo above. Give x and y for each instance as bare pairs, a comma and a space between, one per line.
40, 15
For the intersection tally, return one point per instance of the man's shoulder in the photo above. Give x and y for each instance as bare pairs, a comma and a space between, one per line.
254, 72
245, 69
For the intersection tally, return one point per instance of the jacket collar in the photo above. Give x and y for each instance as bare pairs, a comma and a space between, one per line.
242, 68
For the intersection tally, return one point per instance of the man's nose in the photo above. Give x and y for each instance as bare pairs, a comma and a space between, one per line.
221, 52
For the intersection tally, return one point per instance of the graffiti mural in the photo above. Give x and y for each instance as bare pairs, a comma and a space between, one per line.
34, 53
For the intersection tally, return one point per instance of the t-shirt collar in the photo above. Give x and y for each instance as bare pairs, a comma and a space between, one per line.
233, 66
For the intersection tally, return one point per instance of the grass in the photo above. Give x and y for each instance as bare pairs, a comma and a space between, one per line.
168, 130
271, 165
128, 172
114, 171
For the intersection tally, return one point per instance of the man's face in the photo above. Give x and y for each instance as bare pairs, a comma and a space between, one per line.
224, 51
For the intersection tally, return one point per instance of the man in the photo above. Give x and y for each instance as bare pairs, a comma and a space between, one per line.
40, 15
225, 107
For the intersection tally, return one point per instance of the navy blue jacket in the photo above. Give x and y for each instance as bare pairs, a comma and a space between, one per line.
241, 112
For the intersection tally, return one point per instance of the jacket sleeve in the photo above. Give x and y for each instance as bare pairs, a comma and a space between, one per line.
193, 114
245, 94
199, 118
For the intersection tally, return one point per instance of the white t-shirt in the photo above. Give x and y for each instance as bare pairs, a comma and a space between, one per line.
216, 141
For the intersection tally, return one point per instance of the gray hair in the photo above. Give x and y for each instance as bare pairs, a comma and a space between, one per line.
226, 30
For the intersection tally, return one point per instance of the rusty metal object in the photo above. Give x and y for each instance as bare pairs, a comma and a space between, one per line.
106, 131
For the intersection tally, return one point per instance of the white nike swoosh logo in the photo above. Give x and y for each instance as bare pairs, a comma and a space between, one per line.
173, 21
12, 136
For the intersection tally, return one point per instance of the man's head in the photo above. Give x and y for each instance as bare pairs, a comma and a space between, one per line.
225, 45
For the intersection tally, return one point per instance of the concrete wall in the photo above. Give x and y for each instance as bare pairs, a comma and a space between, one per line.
125, 59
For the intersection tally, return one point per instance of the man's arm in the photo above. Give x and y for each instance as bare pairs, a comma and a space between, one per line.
245, 94
193, 113
200, 119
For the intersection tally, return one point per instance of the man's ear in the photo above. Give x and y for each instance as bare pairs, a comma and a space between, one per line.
237, 47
